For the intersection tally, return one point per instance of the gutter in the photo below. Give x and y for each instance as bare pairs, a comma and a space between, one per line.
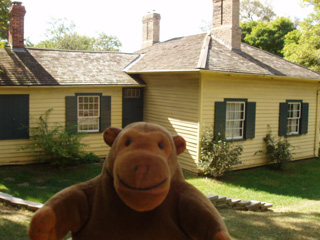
240, 75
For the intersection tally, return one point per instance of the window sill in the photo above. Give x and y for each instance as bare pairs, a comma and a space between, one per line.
236, 140
293, 135
10, 139
90, 132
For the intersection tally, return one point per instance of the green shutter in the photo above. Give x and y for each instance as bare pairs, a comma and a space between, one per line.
220, 119
283, 119
105, 113
250, 120
304, 118
14, 121
71, 112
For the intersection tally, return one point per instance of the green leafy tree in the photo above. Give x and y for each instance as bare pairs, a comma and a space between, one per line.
303, 46
315, 3
62, 35
247, 28
256, 10
4, 20
106, 42
268, 36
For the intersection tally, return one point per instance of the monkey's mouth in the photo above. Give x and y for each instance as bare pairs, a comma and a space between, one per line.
144, 188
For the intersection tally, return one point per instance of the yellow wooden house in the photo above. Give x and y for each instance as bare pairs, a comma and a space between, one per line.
213, 81
187, 84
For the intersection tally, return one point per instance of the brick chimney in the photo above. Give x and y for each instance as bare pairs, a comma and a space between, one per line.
225, 25
16, 27
151, 29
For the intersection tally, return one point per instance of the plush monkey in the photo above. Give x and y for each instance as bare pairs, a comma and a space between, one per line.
141, 194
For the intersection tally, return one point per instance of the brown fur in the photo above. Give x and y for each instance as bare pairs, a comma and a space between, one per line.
140, 195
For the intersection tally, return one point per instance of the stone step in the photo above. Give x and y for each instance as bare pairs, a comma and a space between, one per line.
254, 206
235, 201
213, 198
238, 204
266, 206
243, 203
222, 199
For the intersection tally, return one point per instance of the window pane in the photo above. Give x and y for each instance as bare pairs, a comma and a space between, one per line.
88, 113
235, 117
294, 113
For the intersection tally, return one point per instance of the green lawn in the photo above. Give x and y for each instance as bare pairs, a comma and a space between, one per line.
298, 182
294, 192
39, 182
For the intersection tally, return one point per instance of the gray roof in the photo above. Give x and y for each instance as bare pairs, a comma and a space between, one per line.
34, 67
185, 53
175, 54
45, 67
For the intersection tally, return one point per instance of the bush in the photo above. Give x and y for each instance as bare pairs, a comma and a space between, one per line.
59, 146
217, 155
278, 152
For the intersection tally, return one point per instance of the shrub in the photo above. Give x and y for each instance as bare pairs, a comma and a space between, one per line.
217, 155
56, 144
278, 151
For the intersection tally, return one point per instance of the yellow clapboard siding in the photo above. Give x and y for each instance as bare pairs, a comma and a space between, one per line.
171, 100
268, 94
43, 98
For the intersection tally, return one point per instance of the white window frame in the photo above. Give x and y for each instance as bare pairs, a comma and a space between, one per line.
294, 118
232, 120
132, 93
88, 119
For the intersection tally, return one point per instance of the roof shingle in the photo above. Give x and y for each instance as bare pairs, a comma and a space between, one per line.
63, 67
184, 53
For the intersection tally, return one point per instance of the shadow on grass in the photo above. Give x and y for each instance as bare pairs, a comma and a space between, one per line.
13, 223
272, 225
40, 182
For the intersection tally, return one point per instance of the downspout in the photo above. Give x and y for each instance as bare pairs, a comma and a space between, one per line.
202, 64
316, 134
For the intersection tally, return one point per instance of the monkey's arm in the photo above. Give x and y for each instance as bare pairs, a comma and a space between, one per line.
67, 211
199, 218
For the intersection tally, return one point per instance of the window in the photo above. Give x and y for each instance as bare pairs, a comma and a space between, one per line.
88, 113
235, 119
14, 121
294, 115
132, 93
293, 119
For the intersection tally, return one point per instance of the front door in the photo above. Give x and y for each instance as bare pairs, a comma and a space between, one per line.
132, 108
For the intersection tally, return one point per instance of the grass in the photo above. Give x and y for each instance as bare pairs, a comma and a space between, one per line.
294, 192
298, 182
13, 222
40, 182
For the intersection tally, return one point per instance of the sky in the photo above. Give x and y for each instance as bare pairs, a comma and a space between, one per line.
123, 18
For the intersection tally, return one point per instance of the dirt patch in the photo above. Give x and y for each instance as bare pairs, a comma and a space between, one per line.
10, 179
24, 184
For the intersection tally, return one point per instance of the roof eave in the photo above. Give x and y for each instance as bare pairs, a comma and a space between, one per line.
164, 71
261, 76
75, 85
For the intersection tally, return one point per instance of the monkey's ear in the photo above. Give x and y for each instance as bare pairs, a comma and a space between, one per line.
110, 134
180, 144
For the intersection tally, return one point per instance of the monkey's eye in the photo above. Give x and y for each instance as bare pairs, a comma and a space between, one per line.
160, 145
128, 142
